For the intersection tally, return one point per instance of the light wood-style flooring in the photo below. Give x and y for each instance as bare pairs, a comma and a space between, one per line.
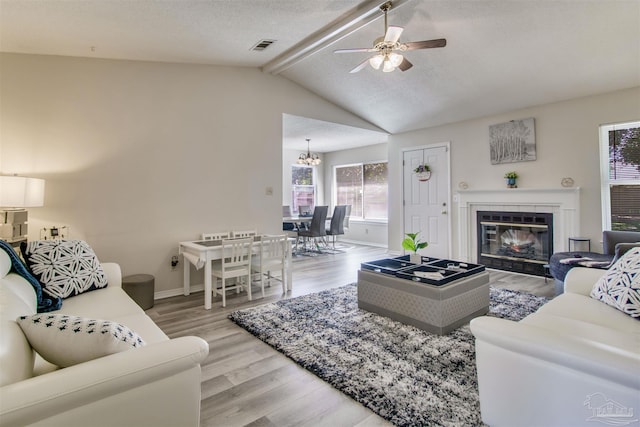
247, 383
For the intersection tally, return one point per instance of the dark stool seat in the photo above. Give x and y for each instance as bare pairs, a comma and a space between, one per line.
140, 287
559, 270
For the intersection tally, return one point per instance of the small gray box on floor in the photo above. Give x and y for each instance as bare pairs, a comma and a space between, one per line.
141, 288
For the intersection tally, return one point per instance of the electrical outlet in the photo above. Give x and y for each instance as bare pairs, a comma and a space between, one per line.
54, 232
174, 262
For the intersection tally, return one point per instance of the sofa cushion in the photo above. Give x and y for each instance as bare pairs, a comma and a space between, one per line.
579, 329
64, 267
17, 298
68, 340
107, 303
144, 326
589, 310
620, 286
623, 248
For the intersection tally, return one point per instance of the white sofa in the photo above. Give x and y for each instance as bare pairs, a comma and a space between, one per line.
571, 363
154, 385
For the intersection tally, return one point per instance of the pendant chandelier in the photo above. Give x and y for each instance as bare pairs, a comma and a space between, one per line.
308, 158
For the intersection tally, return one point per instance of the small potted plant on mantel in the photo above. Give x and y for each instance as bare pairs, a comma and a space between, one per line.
511, 179
423, 172
413, 244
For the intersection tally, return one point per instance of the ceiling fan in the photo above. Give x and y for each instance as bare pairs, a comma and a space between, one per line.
386, 48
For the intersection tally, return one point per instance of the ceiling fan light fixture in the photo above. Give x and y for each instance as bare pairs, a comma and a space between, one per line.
395, 59
376, 61
387, 67
385, 47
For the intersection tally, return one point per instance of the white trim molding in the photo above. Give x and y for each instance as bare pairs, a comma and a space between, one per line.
563, 203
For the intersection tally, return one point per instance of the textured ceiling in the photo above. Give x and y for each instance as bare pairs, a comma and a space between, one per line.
501, 55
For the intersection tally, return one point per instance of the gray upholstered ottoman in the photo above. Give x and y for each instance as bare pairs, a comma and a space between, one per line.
436, 309
140, 287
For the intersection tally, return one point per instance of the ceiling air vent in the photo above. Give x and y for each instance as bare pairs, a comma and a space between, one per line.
262, 45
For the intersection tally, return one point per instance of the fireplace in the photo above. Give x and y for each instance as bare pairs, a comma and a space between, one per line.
562, 203
515, 241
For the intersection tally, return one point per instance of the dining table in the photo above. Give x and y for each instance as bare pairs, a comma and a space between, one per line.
202, 253
300, 219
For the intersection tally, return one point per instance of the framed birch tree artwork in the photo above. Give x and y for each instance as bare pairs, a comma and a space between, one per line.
514, 141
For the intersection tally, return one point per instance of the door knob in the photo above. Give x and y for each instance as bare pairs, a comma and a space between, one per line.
443, 212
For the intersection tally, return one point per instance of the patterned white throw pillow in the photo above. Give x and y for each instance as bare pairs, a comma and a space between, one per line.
64, 267
68, 340
620, 286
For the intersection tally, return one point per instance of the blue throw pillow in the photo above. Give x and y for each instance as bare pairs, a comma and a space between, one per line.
46, 302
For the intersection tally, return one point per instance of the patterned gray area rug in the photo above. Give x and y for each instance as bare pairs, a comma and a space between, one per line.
404, 374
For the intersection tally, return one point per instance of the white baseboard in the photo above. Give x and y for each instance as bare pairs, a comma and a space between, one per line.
358, 242
176, 291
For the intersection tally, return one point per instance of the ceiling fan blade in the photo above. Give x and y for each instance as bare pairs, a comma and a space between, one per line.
358, 49
393, 34
405, 65
360, 66
426, 44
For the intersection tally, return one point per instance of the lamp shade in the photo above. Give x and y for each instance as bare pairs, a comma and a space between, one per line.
21, 192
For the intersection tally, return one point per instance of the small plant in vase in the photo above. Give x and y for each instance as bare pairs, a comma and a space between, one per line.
423, 172
511, 179
413, 244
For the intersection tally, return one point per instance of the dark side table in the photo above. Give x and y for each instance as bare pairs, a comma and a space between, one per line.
579, 240
140, 287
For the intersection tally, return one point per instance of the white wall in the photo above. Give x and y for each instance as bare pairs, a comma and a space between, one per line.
566, 146
371, 232
138, 156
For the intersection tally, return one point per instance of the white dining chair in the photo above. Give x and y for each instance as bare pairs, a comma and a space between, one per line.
216, 236
235, 263
272, 258
240, 234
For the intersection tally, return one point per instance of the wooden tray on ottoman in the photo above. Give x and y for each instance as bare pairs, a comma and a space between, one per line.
436, 309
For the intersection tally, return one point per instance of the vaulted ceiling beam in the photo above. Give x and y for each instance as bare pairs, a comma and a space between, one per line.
360, 16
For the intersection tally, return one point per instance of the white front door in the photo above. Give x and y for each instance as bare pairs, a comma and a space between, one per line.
426, 203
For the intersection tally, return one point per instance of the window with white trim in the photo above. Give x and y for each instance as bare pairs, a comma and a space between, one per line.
364, 186
620, 176
303, 188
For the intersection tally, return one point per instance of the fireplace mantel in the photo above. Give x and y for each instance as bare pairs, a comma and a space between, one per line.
563, 203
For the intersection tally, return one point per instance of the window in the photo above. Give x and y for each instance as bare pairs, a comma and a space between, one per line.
303, 187
620, 166
364, 187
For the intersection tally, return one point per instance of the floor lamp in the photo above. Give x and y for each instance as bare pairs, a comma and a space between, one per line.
16, 194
